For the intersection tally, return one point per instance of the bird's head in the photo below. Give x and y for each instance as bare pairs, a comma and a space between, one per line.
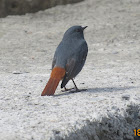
74, 32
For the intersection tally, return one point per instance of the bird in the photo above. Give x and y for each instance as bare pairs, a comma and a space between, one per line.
68, 60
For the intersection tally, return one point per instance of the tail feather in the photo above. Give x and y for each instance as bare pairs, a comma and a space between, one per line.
56, 75
50, 87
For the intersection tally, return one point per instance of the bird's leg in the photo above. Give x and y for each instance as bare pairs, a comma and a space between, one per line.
77, 90
75, 86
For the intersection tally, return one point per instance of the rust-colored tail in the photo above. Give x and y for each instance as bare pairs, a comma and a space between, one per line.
56, 75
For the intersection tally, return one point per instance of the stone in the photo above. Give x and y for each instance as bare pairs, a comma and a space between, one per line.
21, 7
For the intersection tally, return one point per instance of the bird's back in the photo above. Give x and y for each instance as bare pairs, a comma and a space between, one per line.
67, 50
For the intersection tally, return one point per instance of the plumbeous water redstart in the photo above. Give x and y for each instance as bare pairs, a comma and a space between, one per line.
69, 59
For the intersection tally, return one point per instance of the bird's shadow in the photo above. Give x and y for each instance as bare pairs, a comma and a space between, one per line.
97, 90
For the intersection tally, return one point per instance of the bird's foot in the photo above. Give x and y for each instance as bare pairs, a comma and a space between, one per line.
66, 89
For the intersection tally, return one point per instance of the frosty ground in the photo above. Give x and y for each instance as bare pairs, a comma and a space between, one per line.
108, 110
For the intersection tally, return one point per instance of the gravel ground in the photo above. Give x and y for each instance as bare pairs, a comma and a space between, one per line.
108, 110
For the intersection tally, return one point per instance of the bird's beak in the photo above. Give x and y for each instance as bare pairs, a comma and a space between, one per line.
84, 27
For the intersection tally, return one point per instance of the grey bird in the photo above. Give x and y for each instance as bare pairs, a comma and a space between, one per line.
69, 59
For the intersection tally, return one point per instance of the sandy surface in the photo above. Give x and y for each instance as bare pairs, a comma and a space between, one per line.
108, 110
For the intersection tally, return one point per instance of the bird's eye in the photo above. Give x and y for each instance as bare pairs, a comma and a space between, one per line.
77, 30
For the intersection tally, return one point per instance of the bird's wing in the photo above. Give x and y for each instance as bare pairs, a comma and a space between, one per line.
75, 63
54, 61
